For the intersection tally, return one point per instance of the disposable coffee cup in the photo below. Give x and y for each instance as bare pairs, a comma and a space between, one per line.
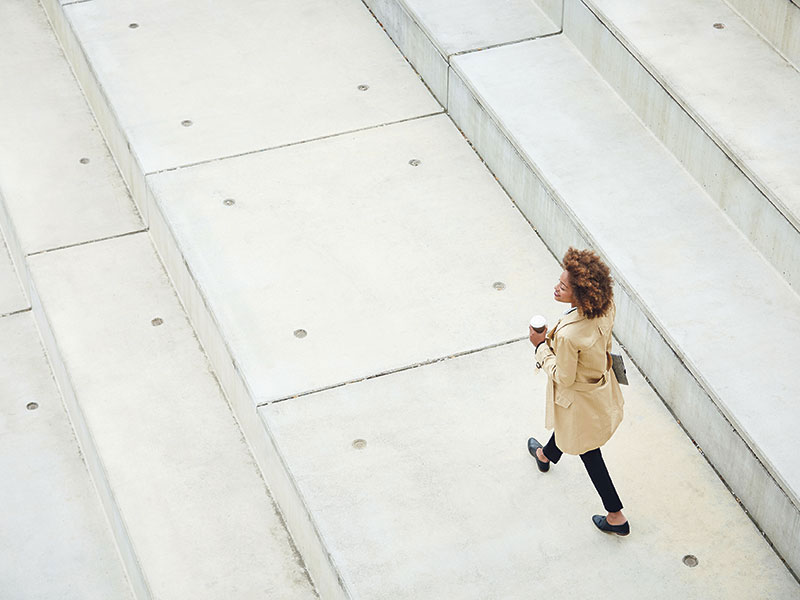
539, 323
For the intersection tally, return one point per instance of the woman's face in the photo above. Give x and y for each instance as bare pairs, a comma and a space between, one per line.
563, 290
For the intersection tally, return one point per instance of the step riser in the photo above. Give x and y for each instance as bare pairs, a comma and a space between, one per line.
753, 212
778, 22
681, 389
259, 439
14, 247
127, 163
415, 45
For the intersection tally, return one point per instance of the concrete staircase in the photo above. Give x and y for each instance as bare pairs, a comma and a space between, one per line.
297, 206
664, 136
188, 510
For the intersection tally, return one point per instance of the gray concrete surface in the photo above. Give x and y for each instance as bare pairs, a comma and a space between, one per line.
444, 501
382, 264
52, 197
722, 100
200, 518
54, 539
615, 200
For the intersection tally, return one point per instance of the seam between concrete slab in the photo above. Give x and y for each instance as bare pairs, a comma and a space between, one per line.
74, 2
501, 44
15, 312
395, 370
297, 143
704, 126
75, 245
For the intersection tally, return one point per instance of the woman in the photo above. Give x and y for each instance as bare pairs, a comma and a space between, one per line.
584, 402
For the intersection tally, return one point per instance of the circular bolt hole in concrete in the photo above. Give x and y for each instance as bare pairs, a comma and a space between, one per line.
359, 444
690, 560
157, 321
187, 123
84, 161
415, 162
499, 285
363, 87
229, 202
134, 26
719, 25
300, 333
32, 405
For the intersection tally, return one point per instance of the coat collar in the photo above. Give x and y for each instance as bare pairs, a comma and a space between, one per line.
572, 317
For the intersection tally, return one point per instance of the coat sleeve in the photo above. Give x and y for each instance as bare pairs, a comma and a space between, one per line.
560, 368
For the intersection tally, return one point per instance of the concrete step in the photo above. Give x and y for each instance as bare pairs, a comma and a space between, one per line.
198, 517
778, 22
721, 99
693, 290
56, 542
429, 32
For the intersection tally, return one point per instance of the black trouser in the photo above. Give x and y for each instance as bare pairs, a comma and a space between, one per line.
598, 473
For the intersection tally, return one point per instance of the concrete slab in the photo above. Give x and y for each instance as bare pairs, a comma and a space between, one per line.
443, 501
12, 298
380, 263
53, 198
555, 168
293, 74
56, 541
199, 516
730, 80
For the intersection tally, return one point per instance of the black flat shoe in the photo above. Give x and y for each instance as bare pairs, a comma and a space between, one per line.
532, 446
604, 525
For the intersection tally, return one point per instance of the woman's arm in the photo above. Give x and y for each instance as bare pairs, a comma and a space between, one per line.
560, 367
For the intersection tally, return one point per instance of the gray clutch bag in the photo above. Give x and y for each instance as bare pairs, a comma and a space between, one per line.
618, 366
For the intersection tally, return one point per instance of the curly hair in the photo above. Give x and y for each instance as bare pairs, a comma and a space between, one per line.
591, 281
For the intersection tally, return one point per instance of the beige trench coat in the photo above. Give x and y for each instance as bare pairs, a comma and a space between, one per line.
584, 402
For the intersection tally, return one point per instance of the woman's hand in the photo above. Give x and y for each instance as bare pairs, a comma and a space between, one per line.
535, 337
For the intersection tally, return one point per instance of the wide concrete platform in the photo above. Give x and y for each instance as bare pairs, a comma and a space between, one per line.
58, 180
56, 542
598, 177
200, 521
421, 486
339, 259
